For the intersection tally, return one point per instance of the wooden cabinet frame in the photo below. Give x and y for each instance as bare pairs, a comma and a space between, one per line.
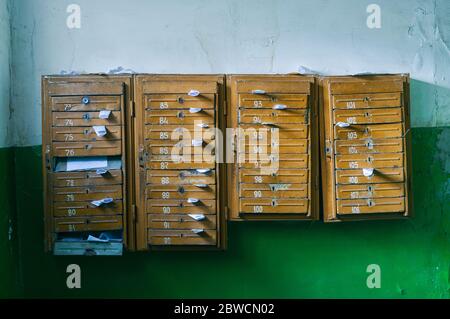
381, 97
281, 85
178, 85
89, 87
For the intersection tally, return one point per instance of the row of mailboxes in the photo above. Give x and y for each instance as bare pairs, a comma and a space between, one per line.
163, 161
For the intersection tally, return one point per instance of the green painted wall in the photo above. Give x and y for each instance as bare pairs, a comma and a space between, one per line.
9, 262
266, 259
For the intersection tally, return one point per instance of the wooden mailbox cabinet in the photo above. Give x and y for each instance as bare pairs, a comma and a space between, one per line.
365, 147
179, 183
275, 147
84, 162
139, 160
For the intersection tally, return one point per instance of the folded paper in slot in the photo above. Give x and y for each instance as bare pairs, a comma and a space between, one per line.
368, 172
195, 109
104, 114
103, 201
100, 130
258, 92
194, 93
193, 200
197, 217
342, 124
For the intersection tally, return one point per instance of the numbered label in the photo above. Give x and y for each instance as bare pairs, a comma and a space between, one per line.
257, 209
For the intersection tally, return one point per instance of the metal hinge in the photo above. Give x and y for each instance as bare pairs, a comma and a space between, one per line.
225, 107
226, 212
47, 157
132, 108
133, 212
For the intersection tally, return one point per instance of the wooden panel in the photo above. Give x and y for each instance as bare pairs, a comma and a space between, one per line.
180, 221
181, 192
89, 193
290, 101
85, 134
280, 176
62, 179
279, 206
365, 101
180, 86
284, 131
381, 175
369, 161
262, 116
174, 133
370, 206
391, 115
270, 86
179, 117
100, 223
179, 101
366, 86
369, 131
394, 145
370, 191
85, 103
84, 119
180, 177
279, 190
100, 148
74, 209
181, 237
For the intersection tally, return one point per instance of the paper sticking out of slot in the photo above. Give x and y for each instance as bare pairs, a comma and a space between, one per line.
368, 172
194, 93
193, 200
197, 230
101, 202
104, 114
203, 170
203, 125
86, 163
279, 107
197, 142
95, 239
101, 171
258, 92
201, 185
100, 130
197, 217
342, 124
195, 109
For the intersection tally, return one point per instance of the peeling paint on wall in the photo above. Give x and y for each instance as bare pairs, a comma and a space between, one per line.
232, 36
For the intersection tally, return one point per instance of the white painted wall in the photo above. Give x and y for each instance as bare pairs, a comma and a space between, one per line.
5, 48
231, 36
